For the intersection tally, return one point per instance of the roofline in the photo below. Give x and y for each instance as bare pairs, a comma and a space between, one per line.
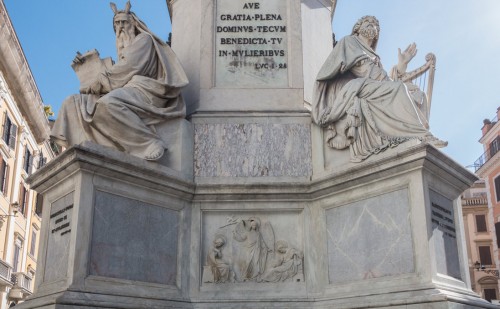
27, 95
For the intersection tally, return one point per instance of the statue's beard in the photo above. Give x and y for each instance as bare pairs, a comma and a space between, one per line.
369, 33
123, 39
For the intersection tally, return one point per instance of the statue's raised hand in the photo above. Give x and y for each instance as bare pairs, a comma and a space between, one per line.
405, 57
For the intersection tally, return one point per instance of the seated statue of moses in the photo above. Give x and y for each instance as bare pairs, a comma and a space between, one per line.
120, 104
360, 106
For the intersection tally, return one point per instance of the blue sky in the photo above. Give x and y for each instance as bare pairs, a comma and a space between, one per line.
464, 35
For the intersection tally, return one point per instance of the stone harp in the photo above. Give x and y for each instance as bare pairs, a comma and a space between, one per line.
423, 77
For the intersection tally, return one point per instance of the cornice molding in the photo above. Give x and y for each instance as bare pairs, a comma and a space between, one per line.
20, 79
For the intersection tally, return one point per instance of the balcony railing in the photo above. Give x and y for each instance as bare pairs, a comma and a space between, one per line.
23, 281
5, 271
474, 201
492, 150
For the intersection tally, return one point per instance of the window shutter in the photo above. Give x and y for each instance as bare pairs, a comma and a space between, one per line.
497, 188
13, 135
39, 205
15, 261
25, 159
41, 161
6, 181
2, 175
485, 255
481, 223
30, 163
6, 128
22, 197
33, 243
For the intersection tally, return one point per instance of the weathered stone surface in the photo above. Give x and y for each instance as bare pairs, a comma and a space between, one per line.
251, 44
252, 150
444, 235
57, 247
370, 238
133, 240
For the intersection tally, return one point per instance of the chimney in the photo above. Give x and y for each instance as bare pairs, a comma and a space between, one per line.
486, 126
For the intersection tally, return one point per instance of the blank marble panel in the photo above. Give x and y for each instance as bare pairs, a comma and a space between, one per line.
59, 239
134, 240
370, 238
444, 235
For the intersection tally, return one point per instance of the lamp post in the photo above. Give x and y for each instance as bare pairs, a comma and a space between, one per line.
14, 207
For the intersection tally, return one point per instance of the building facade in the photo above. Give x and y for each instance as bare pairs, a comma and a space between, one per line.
481, 241
24, 148
488, 167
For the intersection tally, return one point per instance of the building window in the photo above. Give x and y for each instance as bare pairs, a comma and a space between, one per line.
497, 188
17, 255
33, 242
485, 255
4, 176
481, 223
497, 232
28, 161
9, 132
42, 160
490, 294
23, 198
39, 205
494, 146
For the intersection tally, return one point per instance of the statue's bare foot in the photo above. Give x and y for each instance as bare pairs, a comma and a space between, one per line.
155, 151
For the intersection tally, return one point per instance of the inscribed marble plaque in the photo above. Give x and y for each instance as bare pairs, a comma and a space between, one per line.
59, 239
134, 240
444, 235
251, 44
370, 238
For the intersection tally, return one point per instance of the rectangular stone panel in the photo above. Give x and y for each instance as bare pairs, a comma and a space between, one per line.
252, 150
56, 265
370, 238
444, 235
134, 240
251, 44
252, 247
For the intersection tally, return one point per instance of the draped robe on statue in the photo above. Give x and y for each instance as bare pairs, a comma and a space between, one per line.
361, 106
141, 90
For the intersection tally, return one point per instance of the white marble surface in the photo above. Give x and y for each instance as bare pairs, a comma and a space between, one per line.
251, 44
304, 218
133, 240
370, 238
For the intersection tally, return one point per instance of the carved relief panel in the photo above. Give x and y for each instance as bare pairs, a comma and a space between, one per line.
243, 247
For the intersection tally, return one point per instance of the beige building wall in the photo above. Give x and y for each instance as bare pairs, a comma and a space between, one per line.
24, 128
481, 241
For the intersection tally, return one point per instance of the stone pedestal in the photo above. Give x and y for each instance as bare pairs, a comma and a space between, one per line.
250, 210
119, 232
115, 232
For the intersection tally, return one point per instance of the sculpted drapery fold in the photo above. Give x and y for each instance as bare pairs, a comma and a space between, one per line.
121, 106
361, 107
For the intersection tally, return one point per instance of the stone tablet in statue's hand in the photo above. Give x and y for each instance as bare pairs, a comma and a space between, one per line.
79, 59
94, 88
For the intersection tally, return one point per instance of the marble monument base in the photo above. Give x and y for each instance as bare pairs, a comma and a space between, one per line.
120, 232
